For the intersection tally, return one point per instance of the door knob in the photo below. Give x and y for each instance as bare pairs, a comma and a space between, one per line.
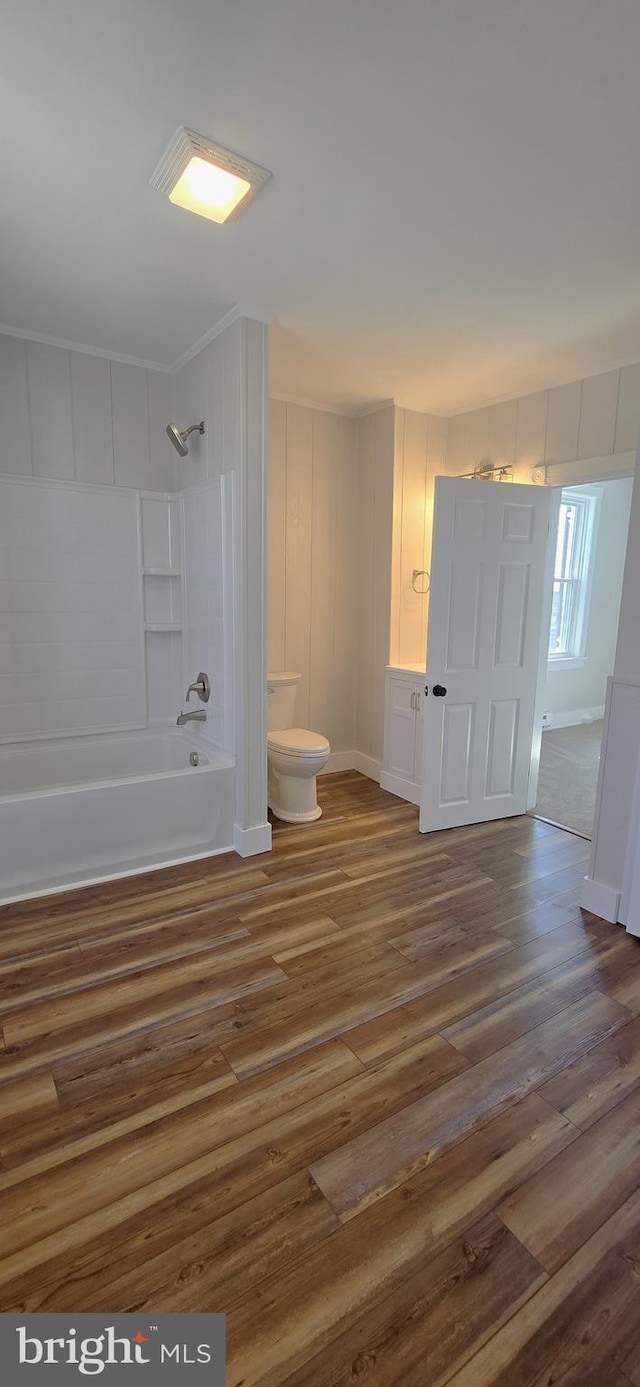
438, 691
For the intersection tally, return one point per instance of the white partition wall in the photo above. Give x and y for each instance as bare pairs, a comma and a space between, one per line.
208, 600
225, 384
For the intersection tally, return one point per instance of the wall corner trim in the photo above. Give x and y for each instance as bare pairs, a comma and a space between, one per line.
248, 842
367, 766
600, 899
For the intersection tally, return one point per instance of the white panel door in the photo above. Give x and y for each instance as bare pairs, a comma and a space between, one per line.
486, 607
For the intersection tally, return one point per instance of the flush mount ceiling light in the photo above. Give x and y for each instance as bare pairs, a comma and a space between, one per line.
205, 178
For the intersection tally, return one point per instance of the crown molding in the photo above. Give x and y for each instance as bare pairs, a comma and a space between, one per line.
46, 340
219, 327
345, 411
374, 408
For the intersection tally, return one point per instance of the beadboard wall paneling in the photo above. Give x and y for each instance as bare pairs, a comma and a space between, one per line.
49, 385
375, 547
15, 444
419, 458
597, 417
628, 410
70, 416
208, 388
92, 418
313, 505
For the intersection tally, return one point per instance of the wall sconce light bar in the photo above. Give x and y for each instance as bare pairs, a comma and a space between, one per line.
487, 472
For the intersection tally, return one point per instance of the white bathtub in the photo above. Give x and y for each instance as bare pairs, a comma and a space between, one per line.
83, 809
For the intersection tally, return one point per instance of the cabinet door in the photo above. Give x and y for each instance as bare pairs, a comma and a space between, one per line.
419, 717
402, 727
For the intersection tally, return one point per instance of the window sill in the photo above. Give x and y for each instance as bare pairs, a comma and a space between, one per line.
565, 662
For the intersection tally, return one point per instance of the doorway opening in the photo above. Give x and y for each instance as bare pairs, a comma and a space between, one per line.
593, 523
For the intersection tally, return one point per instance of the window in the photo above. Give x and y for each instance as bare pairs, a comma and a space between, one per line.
571, 576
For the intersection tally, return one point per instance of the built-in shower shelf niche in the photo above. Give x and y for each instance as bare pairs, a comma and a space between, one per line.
161, 527
162, 600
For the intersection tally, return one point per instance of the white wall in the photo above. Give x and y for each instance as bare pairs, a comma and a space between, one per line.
208, 606
619, 761
373, 585
419, 452
576, 691
225, 384
71, 416
205, 389
82, 437
312, 523
598, 417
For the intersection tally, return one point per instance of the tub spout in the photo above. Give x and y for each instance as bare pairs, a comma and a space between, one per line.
196, 716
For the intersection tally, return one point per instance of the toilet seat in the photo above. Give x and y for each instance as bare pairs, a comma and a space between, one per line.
298, 741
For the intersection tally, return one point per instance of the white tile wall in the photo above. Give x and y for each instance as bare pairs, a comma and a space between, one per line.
71, 650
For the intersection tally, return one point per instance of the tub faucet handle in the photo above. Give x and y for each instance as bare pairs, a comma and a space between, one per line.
201, 687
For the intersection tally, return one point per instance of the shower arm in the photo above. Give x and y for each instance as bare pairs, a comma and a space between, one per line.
193, 428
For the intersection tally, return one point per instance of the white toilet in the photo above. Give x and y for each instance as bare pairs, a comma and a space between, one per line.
295, 757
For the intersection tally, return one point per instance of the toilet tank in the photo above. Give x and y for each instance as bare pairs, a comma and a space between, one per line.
281, 699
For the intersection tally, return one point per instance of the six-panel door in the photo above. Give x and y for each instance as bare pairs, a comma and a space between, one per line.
486, 608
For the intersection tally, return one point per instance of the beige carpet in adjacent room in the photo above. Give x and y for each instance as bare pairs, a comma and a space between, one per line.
569, 774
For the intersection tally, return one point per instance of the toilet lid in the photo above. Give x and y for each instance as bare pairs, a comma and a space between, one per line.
298, 739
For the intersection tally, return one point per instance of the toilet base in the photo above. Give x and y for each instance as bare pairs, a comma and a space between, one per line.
292, 798
288, 817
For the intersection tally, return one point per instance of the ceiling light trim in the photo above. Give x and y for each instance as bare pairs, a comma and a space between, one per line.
186, 145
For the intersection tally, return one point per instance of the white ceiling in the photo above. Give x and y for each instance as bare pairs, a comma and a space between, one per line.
454, 214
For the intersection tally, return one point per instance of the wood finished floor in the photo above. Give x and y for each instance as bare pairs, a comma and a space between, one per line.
376, 1096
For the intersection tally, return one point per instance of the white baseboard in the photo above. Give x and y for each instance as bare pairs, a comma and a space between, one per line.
573, 717
353, 761
600, 899
248, 842
367, 766
339, 761
405, 789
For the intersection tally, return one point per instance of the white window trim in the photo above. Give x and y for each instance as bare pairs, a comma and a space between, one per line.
591, 498
559, 663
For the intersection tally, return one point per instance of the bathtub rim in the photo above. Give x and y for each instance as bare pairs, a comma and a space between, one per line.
216, 760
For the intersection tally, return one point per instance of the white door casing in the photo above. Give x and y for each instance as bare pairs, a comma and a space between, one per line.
488, 606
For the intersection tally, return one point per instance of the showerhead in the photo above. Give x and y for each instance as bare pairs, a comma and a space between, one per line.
179, 436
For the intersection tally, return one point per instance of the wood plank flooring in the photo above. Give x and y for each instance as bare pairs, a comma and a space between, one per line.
375, 1096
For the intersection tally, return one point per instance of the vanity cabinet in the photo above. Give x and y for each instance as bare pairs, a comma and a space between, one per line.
404, 705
